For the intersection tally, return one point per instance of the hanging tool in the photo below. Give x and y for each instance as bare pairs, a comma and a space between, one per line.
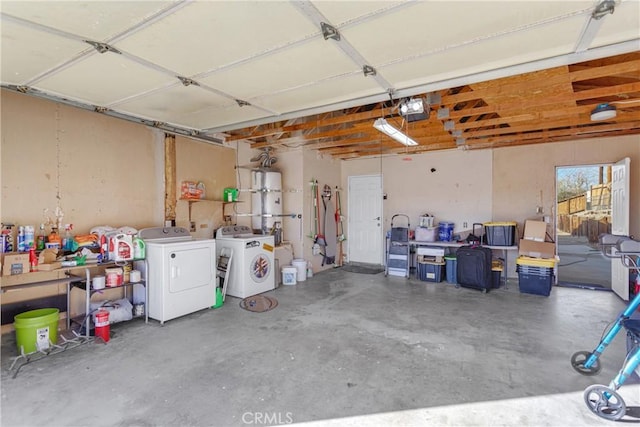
320, 239
329, 227
339, 228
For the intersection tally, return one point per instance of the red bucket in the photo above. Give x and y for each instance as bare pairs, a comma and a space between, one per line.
102, 325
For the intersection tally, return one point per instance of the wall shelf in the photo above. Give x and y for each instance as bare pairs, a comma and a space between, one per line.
224, 204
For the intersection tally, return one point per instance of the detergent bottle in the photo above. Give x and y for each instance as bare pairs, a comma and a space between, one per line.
138, 248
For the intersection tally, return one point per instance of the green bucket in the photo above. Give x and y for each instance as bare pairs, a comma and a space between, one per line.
36, 329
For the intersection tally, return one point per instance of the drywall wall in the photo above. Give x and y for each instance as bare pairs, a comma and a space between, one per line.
212, 165
100, 171
97, 169
453, 186
524, 176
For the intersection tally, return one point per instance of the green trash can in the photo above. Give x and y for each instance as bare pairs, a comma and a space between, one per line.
451, 267
36, 329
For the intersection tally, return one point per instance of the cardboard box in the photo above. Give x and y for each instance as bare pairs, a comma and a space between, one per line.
428, 251
50, 266
15, 263
535, 230
536, 249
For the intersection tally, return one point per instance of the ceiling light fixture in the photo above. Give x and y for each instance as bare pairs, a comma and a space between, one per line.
383, 126
603, 112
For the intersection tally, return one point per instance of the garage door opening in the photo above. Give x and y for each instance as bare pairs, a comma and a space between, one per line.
583, 212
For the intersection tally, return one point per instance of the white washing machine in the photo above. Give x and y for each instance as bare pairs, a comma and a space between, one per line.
252, 264
181, 272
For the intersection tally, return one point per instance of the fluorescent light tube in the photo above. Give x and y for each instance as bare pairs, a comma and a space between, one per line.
384, 127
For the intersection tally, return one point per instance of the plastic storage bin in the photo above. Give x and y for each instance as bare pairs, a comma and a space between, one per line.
500, 233
426, 234
535, 275
535, 284
451, 268
496, 273
430, 271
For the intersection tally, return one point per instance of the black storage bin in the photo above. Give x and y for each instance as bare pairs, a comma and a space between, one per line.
500, 233
536, 284
430, 271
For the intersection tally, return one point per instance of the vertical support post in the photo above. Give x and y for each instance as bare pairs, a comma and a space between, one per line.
170, 178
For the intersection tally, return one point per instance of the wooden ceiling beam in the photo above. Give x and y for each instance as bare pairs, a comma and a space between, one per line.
539, 80
333, 121
582, 120
547, 134
503, 109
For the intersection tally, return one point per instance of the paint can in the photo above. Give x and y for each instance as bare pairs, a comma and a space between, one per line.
114, 277
135, 276
301, 265
98, 282
289, 274
103, 330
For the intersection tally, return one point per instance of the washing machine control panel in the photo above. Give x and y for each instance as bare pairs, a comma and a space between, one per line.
234, 231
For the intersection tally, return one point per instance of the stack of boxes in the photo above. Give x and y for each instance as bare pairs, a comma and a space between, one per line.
537, 260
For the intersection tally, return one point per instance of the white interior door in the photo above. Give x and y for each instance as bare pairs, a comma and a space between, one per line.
620, 223
365, 219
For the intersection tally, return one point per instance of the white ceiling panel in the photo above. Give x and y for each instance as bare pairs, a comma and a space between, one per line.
285, 69
428, 26
174, 103
488, 55
622, 25
96, 20
206, 35
274, 55
491, 54
102, 79
44, 51
345, 12
323, 93
220, 115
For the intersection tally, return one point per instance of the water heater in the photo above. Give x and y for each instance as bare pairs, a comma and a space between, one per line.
266, 199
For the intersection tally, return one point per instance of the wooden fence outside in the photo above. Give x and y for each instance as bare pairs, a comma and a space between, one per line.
578, 217
582, 226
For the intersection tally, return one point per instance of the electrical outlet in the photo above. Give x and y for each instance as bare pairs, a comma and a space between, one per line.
464, 225
192, 226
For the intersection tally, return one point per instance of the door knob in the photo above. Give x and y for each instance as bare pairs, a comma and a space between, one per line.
377, 219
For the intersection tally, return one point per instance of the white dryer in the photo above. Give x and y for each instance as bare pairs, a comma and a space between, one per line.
181, 272
252, 268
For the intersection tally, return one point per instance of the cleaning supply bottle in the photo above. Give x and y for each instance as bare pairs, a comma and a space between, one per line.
21, 239
29, 239
138, 248
54, 239
33, 259
67, 241
41, 238
219, 298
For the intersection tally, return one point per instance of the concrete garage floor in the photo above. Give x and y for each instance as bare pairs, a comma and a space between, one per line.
582, 263
340, 349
